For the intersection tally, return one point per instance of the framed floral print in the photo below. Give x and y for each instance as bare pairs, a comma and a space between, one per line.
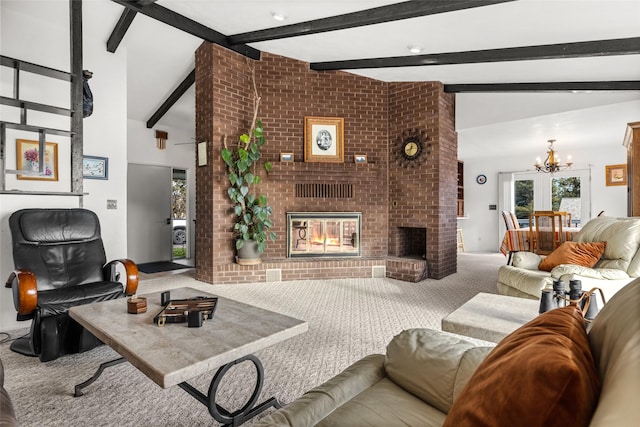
28, 158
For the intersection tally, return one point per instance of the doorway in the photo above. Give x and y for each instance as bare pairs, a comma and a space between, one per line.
568, 191
524, 192
149, 225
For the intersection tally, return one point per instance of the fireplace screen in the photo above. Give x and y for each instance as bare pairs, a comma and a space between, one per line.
323, 234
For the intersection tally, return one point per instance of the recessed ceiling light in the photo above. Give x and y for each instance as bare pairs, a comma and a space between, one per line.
414, 49
278, 16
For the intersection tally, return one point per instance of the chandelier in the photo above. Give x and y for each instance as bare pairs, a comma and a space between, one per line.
552, 162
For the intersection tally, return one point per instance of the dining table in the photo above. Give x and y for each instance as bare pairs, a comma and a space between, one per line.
544, 235
544, 240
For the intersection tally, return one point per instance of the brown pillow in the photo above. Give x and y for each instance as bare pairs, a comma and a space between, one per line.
543, 374
585, 254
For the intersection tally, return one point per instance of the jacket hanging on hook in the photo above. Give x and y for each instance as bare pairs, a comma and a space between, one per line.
87, 96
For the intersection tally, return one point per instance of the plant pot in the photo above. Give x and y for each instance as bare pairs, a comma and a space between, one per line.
249, 254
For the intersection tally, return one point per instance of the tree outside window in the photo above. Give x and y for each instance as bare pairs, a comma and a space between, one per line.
179, 198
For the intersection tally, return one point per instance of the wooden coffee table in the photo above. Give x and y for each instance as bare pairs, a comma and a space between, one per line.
490, 317
173, 354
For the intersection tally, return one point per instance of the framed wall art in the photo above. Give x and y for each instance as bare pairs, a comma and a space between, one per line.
286, 157
360, 158
616, 174
28, 158
324, 139
94, 167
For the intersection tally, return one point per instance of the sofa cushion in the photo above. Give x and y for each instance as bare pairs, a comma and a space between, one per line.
428, 364
614, 337
593, 273
526, 260
585, 254
530, 282
634, 266
384, 404
540, 375
623, 240
317, 403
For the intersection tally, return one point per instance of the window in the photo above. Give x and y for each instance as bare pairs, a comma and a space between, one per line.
524, 192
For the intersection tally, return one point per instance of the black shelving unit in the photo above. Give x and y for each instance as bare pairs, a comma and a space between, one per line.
74, 113
460, 188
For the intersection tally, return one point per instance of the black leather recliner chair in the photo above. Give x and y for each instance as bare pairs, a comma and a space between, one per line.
59, 263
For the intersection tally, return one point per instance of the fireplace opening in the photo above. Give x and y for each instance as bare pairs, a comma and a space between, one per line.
318, 234
412, 242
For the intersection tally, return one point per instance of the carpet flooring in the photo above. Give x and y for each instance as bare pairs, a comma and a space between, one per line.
348, 319
156, 267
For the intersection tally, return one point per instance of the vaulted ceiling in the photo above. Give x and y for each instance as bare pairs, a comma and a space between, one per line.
472, 46
481, 49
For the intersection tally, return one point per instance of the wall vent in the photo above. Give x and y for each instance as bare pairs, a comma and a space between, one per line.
274, 275
378, 271
331, 191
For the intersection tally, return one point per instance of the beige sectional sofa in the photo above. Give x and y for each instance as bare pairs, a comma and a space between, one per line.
619, 265
414, 384
424, 371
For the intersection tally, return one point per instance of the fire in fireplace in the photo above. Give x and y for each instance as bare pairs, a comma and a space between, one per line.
322, 234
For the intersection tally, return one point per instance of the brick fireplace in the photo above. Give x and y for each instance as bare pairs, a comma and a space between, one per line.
390, 196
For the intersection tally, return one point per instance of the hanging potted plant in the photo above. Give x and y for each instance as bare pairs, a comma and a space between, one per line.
252, 213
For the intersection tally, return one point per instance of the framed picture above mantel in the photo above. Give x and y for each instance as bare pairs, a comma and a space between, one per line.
324, 139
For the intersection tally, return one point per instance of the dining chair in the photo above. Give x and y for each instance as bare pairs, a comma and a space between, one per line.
546, 230
516, 239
